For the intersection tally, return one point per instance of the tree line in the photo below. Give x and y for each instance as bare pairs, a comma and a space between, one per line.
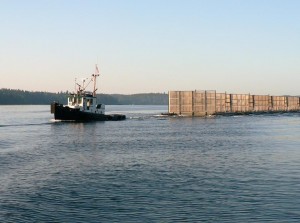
21, 97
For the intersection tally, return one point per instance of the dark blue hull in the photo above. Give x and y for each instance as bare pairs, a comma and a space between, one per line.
66, 113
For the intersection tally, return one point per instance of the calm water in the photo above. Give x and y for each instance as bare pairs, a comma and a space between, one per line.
148, 168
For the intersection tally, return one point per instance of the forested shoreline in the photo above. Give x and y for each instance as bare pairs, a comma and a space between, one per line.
21, 97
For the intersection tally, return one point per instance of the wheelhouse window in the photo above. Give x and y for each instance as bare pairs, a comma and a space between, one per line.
79, 100
71, 100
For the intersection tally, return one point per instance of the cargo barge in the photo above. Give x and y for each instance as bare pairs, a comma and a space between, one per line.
205, 103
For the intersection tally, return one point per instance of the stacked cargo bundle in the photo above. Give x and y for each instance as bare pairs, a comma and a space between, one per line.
199, 103
279, 103
261, 103
292, 103
240, 103
221, 102
174, 104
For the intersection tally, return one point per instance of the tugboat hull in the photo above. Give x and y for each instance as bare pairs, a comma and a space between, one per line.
66, 113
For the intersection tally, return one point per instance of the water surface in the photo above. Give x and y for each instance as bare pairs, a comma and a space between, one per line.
148, 168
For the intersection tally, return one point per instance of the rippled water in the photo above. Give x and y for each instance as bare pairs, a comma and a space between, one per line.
148, 168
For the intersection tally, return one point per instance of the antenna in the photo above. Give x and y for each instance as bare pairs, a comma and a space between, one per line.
95, 78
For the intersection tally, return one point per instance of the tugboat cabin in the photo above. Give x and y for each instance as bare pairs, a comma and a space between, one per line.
85, 102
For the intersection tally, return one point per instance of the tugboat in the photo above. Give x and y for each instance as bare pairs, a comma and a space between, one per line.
82, 105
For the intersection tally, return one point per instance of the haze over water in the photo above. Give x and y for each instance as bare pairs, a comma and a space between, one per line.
148, 168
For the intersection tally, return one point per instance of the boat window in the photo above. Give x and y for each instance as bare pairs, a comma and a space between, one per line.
71, 100
79, 100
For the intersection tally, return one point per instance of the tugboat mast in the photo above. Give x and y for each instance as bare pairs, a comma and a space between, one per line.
95, 77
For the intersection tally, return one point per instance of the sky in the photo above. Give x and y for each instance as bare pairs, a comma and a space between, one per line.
143, 46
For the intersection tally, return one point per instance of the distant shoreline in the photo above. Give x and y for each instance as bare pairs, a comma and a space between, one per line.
22, 97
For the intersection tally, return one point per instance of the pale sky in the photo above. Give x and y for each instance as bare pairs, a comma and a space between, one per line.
143, 46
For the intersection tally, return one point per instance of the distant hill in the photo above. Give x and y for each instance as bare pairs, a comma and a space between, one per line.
21, 97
